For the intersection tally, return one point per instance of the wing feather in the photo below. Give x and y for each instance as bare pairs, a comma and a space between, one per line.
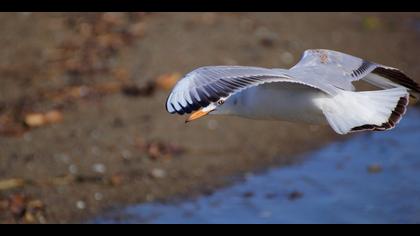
209, 84
340, 70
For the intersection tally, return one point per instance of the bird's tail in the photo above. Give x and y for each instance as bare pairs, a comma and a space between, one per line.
387, 77
370, 110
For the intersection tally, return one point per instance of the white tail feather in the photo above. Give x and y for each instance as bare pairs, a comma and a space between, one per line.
349, 110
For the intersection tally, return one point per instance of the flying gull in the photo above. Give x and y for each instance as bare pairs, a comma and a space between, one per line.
317, 90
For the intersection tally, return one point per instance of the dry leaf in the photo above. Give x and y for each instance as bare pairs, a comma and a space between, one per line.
117, 179
167, 81
29, 218
35, 120
36, 205
11, 183
40, 119
17, 205
54, 116
9, 127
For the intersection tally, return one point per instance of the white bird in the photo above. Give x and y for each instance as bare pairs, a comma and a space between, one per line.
317, 90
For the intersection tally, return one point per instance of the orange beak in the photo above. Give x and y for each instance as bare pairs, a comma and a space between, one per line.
197, 114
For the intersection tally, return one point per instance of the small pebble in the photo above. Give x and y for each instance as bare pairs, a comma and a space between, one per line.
73, 169
158, 173
80, 205
99, 168
266, 37
98, 196
126, 154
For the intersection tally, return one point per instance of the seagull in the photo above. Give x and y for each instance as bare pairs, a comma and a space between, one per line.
317, 90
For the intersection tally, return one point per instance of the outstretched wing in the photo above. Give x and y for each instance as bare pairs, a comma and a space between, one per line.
209, 84
340, 70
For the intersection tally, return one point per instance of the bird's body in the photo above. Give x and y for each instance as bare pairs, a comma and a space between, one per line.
317, 90
278, 99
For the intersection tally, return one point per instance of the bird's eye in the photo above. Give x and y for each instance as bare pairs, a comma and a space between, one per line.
220, 102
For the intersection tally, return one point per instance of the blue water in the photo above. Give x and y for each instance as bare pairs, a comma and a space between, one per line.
333, 185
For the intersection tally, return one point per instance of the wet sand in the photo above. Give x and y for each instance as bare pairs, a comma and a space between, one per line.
370, 178
115, 143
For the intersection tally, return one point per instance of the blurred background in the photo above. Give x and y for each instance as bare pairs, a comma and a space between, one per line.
83, 125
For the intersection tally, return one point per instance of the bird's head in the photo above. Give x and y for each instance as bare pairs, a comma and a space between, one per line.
212, 107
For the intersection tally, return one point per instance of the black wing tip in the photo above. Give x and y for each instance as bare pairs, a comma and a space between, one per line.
397, 76
211, 93
184, 109
393, 120
362, 69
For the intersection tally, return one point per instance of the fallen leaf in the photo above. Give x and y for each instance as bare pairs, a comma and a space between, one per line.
53, 117
11, 183
36, 205
117, 179
17, 205
29, 218
35, 120
158, 150
40, 119
9, 127
167, 81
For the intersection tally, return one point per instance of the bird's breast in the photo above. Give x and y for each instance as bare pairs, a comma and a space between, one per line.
280, 101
